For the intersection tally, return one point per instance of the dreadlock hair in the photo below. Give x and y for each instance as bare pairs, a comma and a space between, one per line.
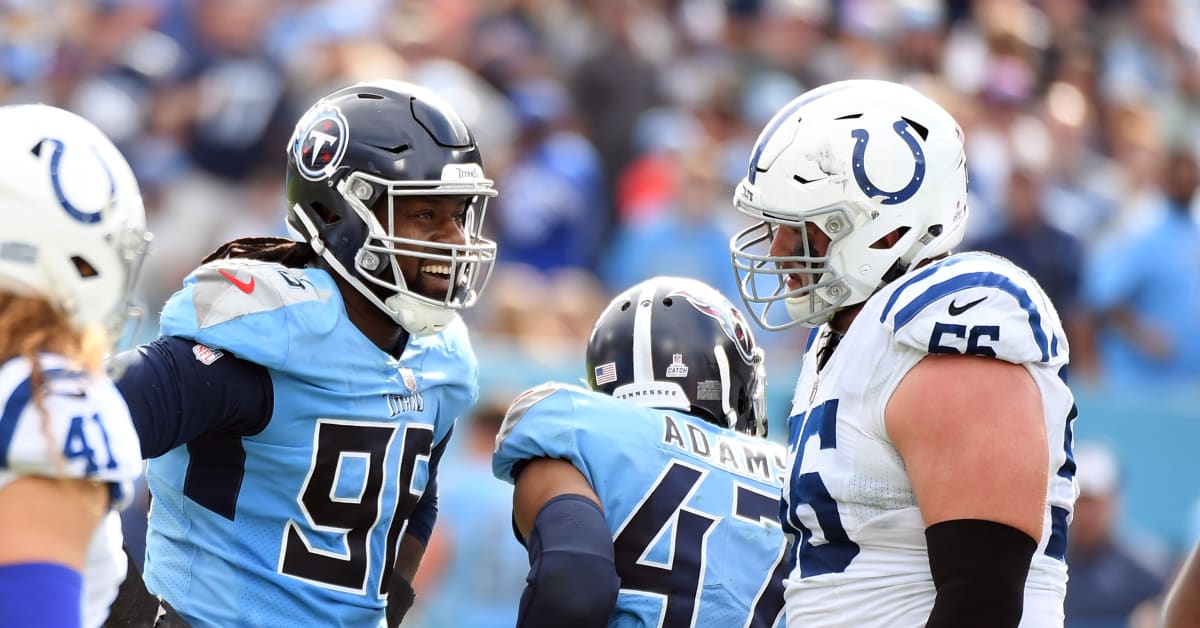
283, 251
31, 325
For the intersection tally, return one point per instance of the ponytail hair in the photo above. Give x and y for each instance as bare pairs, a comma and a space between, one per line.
283, 251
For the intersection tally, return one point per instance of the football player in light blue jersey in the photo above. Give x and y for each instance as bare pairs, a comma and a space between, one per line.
652, 499
73, 241
302, 392
932, 478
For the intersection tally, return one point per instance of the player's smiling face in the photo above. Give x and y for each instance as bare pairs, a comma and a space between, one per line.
809, 242
433, 218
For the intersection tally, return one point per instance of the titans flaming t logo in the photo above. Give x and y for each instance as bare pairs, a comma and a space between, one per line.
319, 143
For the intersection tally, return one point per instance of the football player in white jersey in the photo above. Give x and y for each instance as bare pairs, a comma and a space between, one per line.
931, 478
73, 238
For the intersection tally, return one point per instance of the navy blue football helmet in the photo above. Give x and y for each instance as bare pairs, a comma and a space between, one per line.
386, 139
671, 342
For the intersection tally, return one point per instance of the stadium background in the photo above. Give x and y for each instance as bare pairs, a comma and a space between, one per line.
616, 131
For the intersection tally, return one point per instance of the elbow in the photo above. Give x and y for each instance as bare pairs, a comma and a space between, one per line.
572, 573
580, 590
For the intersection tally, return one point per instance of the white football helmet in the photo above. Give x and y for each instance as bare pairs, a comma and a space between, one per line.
74, 227
859, 160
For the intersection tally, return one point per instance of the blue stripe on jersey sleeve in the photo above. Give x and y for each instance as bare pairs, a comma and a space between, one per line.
12, 413
8, 421
887, 309
962, 282
812, 337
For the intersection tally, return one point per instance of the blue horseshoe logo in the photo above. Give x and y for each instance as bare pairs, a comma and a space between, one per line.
860, 172
76, 213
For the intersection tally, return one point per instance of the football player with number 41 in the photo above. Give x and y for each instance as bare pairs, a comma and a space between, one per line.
73, 241
651, 499
931, 478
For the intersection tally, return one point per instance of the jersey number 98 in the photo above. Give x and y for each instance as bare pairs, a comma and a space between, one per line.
354, 517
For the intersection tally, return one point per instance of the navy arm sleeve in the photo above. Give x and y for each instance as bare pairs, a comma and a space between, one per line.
174, 398
420, 523
572, 577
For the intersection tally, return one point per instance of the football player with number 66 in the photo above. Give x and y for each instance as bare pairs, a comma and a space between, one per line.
931, 478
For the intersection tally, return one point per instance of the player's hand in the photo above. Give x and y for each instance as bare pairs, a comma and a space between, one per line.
400, 598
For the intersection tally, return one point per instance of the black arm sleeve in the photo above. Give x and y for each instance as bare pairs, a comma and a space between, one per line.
420, 523
572, 575
979, 570
173, 397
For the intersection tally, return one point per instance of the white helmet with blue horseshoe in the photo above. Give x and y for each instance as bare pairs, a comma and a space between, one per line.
74, 227
859, 160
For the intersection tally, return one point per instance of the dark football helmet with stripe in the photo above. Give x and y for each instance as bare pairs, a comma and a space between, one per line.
351, 156
672, 342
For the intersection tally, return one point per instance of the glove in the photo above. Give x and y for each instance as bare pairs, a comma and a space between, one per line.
400, 598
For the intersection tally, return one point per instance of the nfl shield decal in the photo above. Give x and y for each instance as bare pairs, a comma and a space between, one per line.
206, 355
409, 378
319, 143
677, 368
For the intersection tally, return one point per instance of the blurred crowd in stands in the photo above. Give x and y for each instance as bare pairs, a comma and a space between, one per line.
617, 129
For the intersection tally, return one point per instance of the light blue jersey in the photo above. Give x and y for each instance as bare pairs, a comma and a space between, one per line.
692, 508
298, 525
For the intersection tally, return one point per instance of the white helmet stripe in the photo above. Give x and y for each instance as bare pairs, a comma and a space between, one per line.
643, 348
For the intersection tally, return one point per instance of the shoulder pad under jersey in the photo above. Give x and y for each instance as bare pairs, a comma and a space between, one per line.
548, 421
256, 310
80, 430
978, 304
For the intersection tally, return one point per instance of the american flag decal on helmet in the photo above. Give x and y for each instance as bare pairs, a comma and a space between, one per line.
606, 373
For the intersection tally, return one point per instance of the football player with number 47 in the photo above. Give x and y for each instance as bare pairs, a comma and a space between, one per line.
931, 477
652, 499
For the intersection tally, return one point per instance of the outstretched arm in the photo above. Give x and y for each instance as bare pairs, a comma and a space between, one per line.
47, 524
176, 392
572, 576
973, 439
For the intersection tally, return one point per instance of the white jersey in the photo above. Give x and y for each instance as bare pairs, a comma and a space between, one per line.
860, 552
92, 437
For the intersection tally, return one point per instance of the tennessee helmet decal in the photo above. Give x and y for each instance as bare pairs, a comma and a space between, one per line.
731, 320
320, 143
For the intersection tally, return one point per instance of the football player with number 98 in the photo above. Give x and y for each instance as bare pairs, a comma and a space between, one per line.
931, 478
302, 392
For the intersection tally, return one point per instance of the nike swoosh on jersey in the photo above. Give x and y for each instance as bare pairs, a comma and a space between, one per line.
244, 286
956, 309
